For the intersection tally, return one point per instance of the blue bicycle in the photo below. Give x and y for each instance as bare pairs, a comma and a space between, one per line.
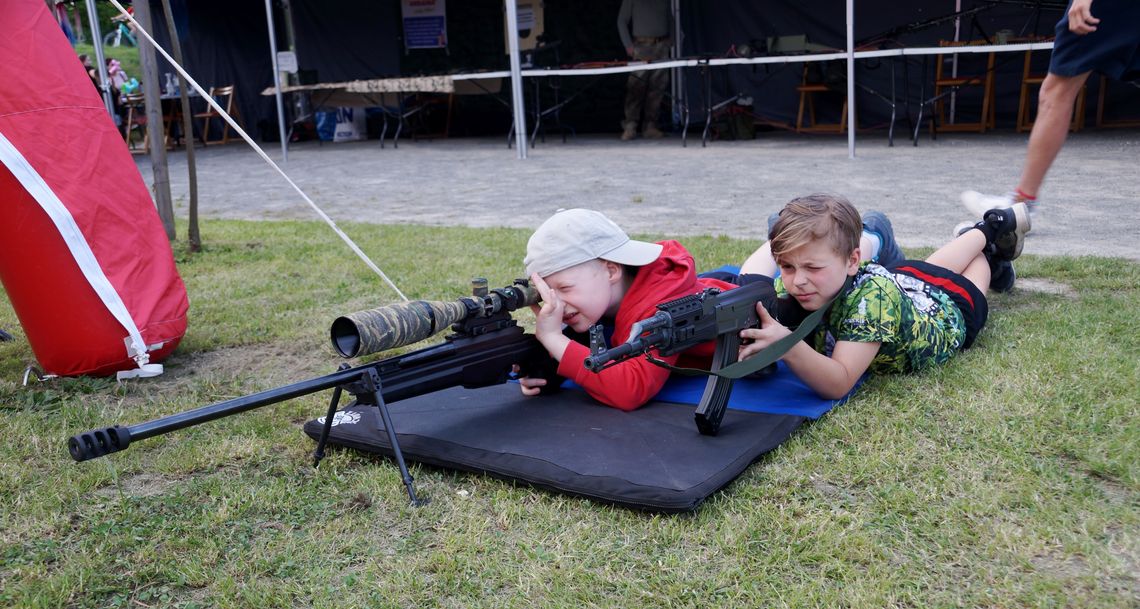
119, 36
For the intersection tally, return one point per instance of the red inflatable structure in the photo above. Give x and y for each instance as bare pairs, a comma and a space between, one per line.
83, 255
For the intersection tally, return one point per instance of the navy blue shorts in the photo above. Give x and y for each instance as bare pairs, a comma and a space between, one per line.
1113, 49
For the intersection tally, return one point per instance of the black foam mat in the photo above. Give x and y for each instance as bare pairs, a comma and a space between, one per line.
652, 458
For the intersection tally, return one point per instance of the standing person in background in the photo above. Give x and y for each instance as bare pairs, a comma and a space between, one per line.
90, 68
645, 27
117, 77
1108, 43
64, 22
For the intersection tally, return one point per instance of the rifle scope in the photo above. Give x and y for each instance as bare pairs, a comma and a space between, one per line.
405, 323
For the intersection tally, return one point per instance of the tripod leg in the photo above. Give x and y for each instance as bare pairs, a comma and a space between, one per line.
319, 453
372, 382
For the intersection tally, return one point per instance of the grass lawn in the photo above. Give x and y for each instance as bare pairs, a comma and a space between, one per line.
127, 56
1007, 478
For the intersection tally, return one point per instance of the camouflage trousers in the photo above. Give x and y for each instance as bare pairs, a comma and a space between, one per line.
646, 88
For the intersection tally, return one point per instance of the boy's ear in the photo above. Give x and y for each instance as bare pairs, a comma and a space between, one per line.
614, 271
853, 261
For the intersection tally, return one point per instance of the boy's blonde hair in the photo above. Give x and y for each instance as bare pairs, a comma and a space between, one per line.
815, 217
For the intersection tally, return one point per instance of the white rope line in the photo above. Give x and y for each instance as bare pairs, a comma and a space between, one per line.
217, 108
765, 59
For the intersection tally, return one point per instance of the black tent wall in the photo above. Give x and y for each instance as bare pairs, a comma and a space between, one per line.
711, 31
355, 39
226, 43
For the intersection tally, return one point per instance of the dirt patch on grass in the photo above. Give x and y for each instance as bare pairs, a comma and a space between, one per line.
255, 365
138, 485
1115, 492
832, 491
1065, 567
1046, 286
1124, 582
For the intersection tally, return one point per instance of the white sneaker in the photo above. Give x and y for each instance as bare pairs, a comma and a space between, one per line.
979, 203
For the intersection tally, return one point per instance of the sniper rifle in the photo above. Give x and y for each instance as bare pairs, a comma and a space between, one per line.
484, 345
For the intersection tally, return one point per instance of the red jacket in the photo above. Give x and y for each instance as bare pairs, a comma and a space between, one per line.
635, 381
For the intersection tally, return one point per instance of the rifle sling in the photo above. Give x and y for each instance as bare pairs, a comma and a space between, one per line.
766, 356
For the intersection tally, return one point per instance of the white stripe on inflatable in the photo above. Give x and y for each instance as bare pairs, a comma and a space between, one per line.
31, 180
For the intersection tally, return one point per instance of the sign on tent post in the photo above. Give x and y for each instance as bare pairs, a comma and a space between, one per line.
425, 24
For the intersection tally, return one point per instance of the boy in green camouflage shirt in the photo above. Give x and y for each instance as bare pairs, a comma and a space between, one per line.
908, 316
916, 326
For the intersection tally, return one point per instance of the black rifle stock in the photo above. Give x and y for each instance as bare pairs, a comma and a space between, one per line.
687, 322
486, 342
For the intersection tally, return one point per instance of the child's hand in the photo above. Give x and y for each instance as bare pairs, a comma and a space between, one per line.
548, 319
529, 386
769, 332
548, 315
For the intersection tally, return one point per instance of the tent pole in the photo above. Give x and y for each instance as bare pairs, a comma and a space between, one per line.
277, 81
678, 74
954, 58
851, 79
516, 77
100, 62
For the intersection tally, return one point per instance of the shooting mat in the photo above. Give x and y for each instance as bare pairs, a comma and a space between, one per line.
651, 458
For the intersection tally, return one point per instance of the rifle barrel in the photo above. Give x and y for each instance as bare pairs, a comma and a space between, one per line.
99, 442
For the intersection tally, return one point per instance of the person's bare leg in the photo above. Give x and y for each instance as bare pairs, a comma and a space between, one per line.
1054, 113
978, 272
964, 256
865, 245
960, 252
760, 262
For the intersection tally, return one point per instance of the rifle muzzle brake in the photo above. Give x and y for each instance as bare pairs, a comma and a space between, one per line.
98, 442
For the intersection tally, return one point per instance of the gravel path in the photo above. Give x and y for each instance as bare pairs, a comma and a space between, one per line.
658, 187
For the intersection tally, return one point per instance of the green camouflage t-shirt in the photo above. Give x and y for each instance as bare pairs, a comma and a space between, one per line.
918, 324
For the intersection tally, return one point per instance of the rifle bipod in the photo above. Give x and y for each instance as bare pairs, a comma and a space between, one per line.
366, 389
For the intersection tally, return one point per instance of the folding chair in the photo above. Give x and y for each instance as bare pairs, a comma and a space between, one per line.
807, 89
225, 98
136, 118
970, 73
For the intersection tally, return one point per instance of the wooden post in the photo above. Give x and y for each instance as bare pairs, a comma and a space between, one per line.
193, 235
154, 126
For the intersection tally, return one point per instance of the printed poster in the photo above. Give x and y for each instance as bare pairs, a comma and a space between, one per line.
425, 23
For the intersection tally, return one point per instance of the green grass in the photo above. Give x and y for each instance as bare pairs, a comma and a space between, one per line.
127, 56
1007, 478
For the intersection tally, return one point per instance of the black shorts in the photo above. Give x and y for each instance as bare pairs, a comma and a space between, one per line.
970, 300
1113, 49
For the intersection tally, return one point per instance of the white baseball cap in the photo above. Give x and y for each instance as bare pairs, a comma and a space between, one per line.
573, 236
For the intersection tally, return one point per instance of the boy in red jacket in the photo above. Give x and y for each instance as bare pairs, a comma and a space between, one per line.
588, 271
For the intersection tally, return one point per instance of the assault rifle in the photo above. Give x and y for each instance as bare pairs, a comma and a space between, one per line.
484, 345
684, 323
